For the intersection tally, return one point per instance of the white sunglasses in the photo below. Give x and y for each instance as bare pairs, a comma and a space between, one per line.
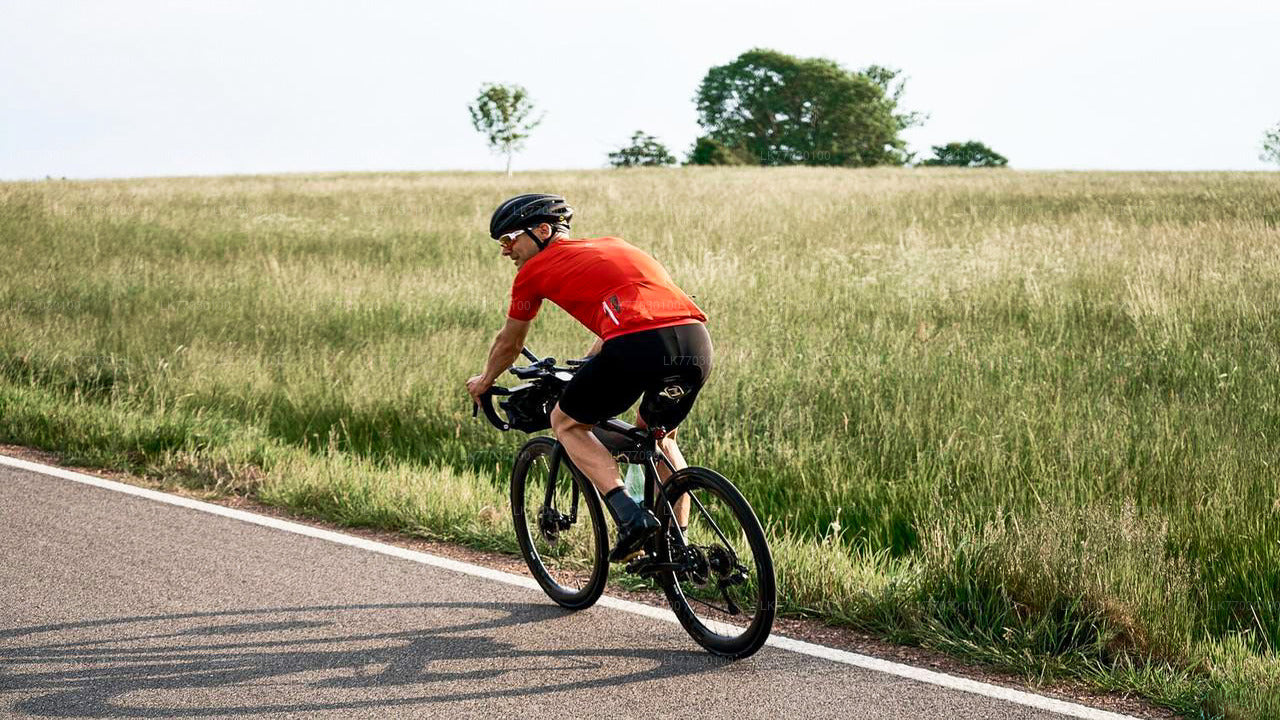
510, 237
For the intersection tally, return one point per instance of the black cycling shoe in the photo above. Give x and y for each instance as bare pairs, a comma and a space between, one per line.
631, 536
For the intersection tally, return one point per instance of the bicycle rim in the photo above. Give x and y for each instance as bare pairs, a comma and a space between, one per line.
561, 533
727, 599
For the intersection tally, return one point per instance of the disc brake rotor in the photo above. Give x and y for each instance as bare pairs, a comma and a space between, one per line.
551, 522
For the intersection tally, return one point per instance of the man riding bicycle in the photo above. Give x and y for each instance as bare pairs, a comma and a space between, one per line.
651, 343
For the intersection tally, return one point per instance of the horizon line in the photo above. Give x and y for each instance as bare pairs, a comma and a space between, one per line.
461, 171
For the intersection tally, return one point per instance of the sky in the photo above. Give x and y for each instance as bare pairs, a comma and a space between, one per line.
128, 88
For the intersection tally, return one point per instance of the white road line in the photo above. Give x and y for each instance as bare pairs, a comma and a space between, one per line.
820, 651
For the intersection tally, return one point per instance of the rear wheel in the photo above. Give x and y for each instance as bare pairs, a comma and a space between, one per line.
725, 597
559, 525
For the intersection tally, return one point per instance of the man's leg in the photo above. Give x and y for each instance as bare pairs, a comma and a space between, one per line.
586, 451
589, 454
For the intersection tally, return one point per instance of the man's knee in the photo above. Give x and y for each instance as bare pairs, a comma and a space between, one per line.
562, 423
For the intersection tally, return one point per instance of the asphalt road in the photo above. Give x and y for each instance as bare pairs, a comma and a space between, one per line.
117, 606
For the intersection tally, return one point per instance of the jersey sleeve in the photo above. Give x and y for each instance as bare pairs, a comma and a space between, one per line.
525, 300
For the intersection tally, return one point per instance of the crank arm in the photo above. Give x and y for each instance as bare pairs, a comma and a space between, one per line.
655, 567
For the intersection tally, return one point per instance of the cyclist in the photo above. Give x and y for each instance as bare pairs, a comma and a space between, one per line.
651, 343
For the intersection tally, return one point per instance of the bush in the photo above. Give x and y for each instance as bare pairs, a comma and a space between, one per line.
712, 152
643, 150
967, 154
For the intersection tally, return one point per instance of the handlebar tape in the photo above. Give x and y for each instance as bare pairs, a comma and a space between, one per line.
486, 403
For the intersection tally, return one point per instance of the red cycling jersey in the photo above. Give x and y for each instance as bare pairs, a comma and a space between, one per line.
607, 284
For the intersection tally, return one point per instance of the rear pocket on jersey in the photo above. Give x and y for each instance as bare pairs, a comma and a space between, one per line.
630, 306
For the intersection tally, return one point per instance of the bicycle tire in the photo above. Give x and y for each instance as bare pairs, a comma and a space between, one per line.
717, 631
577, 577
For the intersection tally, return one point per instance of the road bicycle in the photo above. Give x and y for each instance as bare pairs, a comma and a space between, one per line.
717, 573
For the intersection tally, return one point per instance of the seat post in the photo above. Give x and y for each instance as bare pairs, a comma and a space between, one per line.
652, 435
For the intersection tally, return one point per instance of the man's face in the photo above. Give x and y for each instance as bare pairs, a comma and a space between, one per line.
520, 249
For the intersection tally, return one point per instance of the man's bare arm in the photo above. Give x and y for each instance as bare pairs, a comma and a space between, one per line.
595, 347
506, 347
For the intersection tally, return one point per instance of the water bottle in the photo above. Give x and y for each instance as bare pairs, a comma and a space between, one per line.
633, 482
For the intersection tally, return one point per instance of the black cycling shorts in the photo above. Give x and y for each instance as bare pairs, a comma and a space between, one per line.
668, 366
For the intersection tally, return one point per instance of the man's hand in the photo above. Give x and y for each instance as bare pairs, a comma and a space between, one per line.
477, 386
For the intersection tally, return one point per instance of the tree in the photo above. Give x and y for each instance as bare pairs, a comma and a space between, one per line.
501, 113
643, 150
775, 109
1271, 145
966, 154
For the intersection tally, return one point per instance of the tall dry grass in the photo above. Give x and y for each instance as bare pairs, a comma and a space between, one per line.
1027, 417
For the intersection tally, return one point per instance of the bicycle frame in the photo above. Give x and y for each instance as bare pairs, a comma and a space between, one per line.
655, 496
644, 449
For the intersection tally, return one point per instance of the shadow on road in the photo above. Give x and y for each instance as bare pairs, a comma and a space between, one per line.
304, 659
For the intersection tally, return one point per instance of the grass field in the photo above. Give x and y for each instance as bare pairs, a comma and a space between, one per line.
1027, 418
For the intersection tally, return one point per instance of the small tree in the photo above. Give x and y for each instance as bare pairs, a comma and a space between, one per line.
967, 154
501, 113
643, 150
1271, 145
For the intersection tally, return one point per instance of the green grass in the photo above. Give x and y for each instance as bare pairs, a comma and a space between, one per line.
1027, 418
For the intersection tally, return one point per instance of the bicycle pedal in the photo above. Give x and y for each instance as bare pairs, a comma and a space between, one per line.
637, 564
637, 555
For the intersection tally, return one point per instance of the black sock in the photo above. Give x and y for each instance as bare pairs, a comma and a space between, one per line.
621, 506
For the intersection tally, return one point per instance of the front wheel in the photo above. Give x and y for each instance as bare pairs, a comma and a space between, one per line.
559, 525
725, 596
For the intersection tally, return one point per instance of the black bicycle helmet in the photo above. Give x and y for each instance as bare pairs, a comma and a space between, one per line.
523, 212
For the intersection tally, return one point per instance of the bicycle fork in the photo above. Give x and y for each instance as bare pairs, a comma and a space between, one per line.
551, 522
